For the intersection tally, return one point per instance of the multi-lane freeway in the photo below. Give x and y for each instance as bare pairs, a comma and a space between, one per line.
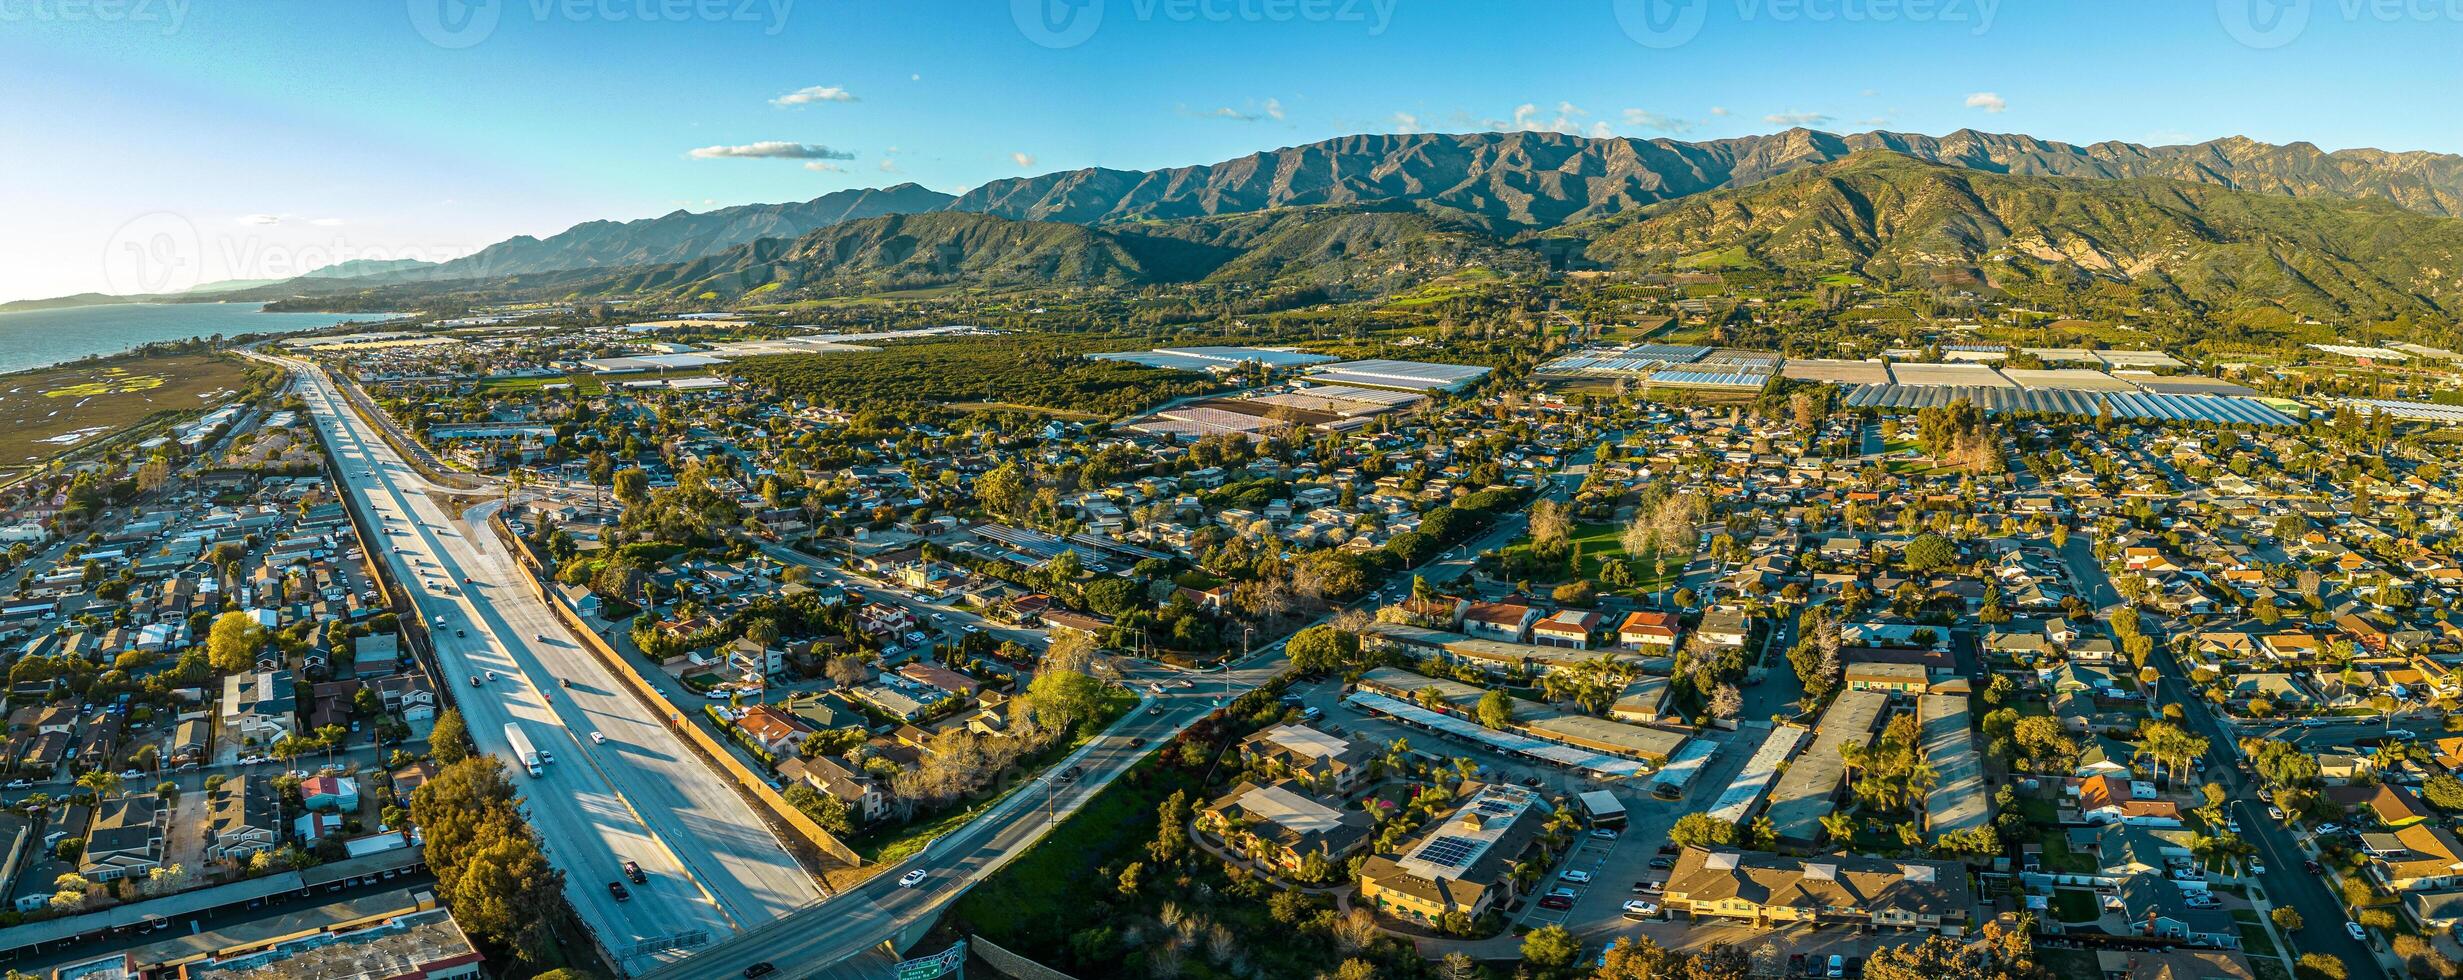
622, 786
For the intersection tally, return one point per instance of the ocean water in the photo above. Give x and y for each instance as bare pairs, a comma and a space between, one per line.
39, 338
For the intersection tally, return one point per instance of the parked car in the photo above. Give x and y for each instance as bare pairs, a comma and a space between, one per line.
1577, 877
1641, 909
1662, 863
1603, 833
2359, 935
2274, 813
1556, 902
2330, 827
1837, 966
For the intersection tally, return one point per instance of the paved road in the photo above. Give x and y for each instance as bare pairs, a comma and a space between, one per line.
642, 796
2320, 908
850, 924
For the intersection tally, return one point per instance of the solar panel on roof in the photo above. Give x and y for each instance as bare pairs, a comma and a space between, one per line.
1448, 851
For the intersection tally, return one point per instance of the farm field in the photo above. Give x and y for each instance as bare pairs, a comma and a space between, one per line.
51, 411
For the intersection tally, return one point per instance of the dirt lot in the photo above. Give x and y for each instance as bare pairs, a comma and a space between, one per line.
47, 412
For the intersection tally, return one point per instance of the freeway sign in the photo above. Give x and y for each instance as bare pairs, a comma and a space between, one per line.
939, 964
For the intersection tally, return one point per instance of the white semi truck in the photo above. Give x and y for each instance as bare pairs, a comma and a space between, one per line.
522, 749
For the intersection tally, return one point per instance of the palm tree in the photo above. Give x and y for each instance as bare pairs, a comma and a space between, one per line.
331, 736
1838, 826
102, 782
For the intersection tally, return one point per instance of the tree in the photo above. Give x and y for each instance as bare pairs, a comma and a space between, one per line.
1496, 710
231, 645
632, 487
1552, 526
1550, 948
2444, 792
101, 782
1059, 699
1702, 830
2287, 918
1321, 648
1930, 552
449, 739
2322, 966
1003, 490
848, 671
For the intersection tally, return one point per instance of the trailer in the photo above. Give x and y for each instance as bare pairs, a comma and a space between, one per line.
522, 749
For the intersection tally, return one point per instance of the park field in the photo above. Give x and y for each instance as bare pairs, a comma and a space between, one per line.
50, 411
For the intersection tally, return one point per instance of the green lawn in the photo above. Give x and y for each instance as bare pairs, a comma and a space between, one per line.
1599, 543
2253, 935
2075, 905
2068, 962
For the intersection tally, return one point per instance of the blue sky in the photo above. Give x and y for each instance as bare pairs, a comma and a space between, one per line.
172, 141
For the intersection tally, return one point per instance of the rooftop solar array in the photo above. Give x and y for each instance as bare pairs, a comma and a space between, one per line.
2416, 411
1376, 396
2219, 409
1449, 851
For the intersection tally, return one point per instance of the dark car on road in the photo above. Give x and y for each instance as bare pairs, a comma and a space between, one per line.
617, 889
632, 869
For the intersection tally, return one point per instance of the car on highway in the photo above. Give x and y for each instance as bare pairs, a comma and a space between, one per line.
761, 969
474, 680
632, 869
598, 738
457, 631
911, 878
491, 675
617, 889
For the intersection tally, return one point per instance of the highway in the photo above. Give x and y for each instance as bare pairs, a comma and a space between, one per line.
641, 795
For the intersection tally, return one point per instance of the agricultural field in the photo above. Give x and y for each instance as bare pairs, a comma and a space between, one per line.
50, 411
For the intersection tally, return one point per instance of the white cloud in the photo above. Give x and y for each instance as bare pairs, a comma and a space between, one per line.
327, 222
1274, 109
824, 167
1530, 118
1873, 122
260, 219
1405, 122
1271, 109
1719, 110
1987, 101
813, 93
1869, 93
1796, 119
889, 165
917, 77
1656, 121
772, 150
1023, 160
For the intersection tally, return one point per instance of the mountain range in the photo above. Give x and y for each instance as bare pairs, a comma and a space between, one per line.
1375, 209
